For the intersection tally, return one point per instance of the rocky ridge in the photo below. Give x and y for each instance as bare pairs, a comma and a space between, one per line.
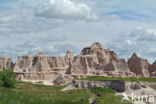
95, 60
92, 61
38, 67
5, 63
139, 66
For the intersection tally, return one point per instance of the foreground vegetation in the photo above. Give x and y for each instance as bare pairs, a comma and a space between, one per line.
8, 78
122, 79
27, 93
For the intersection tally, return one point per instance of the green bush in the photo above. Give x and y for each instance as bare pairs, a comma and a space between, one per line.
8, 78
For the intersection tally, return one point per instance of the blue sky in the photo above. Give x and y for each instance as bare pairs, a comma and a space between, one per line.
54, 26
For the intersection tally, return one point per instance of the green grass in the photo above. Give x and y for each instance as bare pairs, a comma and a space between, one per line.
106, 96
27, 93
122, 79
102, 90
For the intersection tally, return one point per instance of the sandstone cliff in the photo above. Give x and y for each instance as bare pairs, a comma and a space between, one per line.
92, 61
152, 69
62, 79
95, 60
139, 66
5, 63
40, 66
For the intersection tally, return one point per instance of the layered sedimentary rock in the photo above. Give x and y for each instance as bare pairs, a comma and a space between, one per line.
139, 66
92, 61
152, 69
40, 66
120, 86
5, 63
95, 60
62, 79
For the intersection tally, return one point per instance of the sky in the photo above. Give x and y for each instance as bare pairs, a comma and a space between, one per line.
55, 26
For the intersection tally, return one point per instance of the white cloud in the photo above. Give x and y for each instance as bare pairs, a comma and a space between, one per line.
152, 31
24, 27
129, 42
35, 47
141, 40
68, 9
62, 54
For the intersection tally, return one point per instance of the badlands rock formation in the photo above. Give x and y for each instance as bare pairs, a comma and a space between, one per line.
92, 61
95, 60
139, 66
40, 66
62, 79
5, 63
152, 69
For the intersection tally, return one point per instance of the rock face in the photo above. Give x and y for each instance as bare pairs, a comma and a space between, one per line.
69, 55
62, 79
92, 61
139, 66
95, 60
5, 63
152, 69
120, 86
40, 66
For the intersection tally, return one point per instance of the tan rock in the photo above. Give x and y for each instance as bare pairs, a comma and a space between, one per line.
69, 55
5, 63
83, 64
40, 66
62, 79
139, 66
120, 86
92, 61
95, 58
152, 69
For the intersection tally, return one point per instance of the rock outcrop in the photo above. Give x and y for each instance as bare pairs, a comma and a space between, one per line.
152, 69
92, 61
40, 66
5, 63
62, 79
95, 60
120, 86
69, 55
139, 66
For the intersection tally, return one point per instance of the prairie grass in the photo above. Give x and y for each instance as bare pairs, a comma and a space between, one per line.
122, 79
27, 93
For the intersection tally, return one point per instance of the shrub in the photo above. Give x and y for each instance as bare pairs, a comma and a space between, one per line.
8, 78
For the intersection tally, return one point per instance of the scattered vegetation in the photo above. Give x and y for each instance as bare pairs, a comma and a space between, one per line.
8, 78
152, 85
107, 96
27, 93
122, 79
103, 90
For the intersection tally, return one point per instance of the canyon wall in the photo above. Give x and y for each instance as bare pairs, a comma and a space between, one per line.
38, 67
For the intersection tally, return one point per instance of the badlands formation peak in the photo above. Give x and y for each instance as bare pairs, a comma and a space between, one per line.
92, 61
5, 63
